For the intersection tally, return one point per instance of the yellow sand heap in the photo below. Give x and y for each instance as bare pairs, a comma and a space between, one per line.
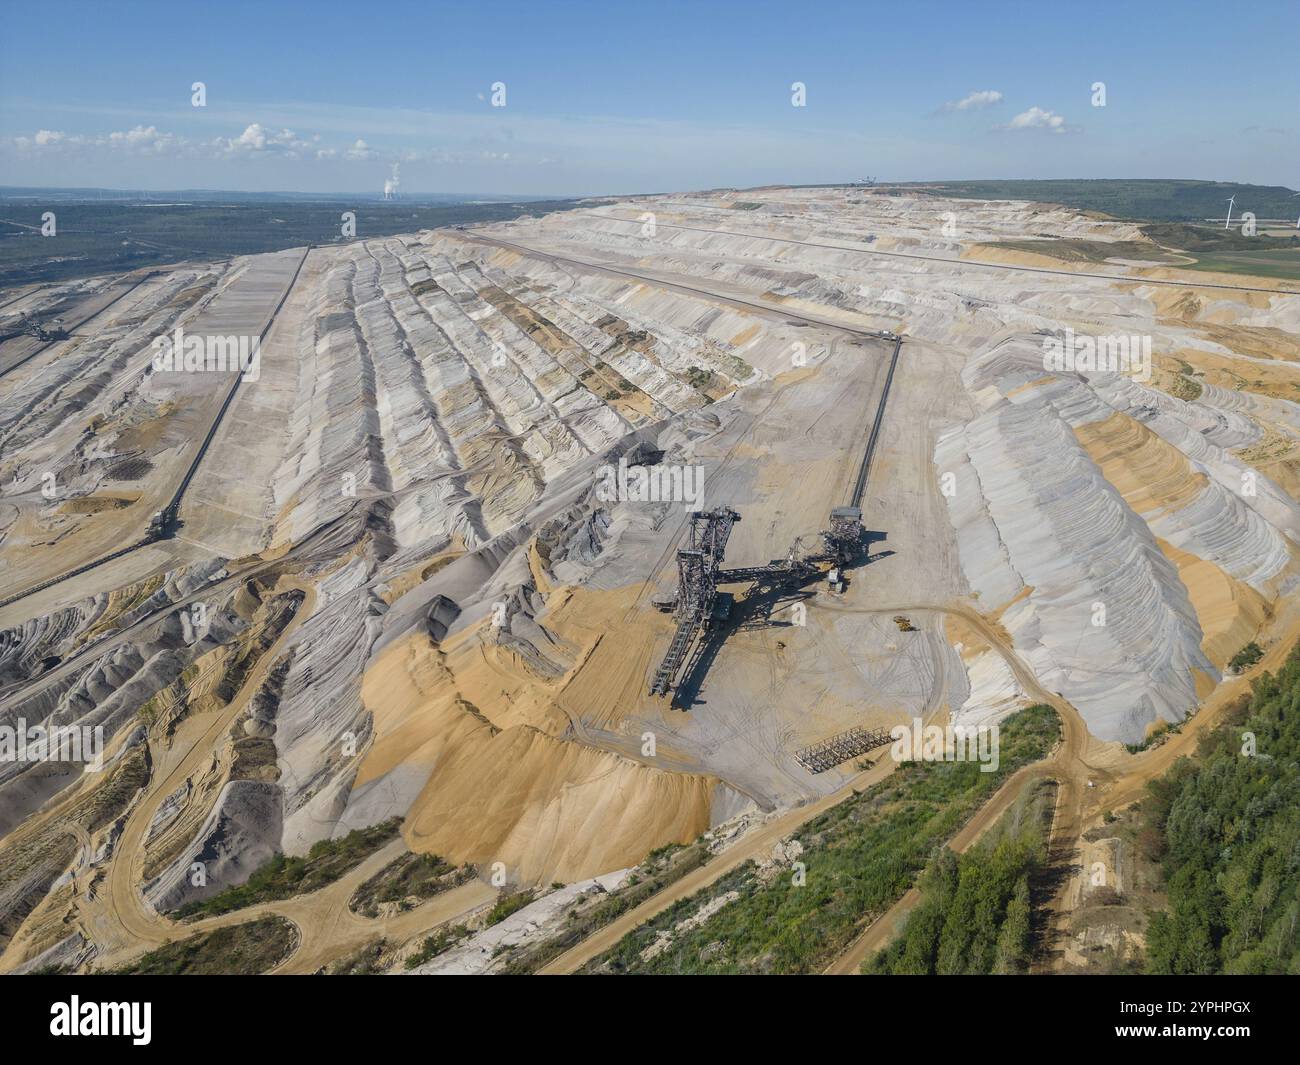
1229, 611
1155, 478
510, 789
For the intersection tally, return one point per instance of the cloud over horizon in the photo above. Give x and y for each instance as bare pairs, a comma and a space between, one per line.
1038, 118
975, 101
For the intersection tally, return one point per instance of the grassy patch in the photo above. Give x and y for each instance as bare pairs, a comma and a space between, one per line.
1211, 248
1214, 239
407, 881
661, 868
1229, 251
974, 914
508, 904
240, 950
1276, 264
284, 877
1185, 388
1108, 922
1089, 251
1159, 733
701, 379
438, 943
1246, 657
857, 857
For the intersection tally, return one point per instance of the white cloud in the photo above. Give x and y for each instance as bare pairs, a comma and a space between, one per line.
976, 101
257, 139
145, 139
54, 139
361, 150
140, 139
1037, 118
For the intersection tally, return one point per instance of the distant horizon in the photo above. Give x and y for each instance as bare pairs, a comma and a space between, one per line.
416, 195
584, 99
409, 196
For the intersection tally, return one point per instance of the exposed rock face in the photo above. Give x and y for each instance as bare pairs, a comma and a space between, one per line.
1066, 489
108, 690
242, 832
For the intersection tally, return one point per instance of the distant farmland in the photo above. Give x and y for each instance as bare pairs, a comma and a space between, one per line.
1173, 214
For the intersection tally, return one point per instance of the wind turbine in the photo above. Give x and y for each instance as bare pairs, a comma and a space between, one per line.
1227, 224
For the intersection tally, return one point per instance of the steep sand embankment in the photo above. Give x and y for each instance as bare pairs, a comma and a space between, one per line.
548, 808
1155, 479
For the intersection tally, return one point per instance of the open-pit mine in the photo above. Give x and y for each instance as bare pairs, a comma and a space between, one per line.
540, 546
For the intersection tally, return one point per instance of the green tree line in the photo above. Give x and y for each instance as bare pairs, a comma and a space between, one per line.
1226, 829
974, 913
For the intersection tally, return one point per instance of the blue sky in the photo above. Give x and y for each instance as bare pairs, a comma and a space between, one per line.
613, 97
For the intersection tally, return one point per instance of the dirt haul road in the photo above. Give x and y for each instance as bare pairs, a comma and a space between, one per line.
327, 928
159, 500
1086, 788
126, 918
760, 841
1130, 786
861, 250
713, 295
1067, 765
133, 916
888, 924
130, 926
